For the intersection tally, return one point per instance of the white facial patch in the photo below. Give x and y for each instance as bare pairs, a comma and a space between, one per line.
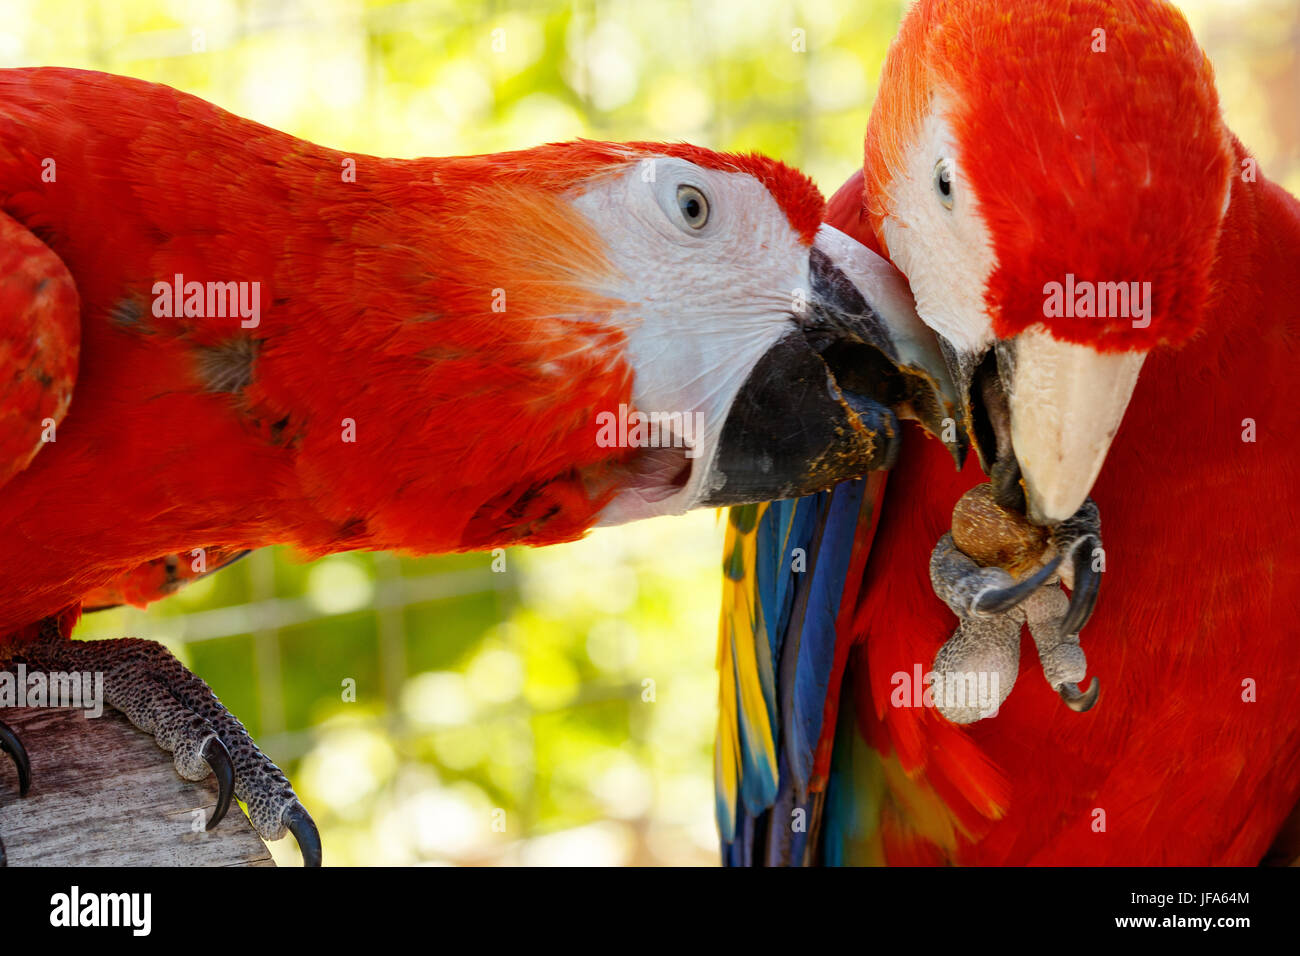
704, 304
946, 253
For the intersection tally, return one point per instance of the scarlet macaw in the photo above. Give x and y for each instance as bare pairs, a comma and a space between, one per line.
220, 337
1020, 155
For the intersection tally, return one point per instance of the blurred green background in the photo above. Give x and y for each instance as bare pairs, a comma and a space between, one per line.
560, 710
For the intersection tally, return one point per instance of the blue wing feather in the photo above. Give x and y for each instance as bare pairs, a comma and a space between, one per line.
781, 605
814, 628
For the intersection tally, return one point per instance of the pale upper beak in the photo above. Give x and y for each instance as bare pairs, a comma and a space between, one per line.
1066, 404
1042, 414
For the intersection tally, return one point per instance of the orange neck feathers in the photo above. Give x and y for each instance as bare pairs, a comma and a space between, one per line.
427, 348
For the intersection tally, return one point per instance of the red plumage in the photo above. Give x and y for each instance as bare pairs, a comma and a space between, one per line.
473, 425
1178, 762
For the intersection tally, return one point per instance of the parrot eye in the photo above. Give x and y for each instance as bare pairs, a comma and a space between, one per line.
943, 182
694, 207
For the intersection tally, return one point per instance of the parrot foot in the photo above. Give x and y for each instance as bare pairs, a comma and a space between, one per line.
1078, 540
160, 696
11, 745
966, 571
977, 667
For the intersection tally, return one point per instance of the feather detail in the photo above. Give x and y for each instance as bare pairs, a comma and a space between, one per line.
785, 571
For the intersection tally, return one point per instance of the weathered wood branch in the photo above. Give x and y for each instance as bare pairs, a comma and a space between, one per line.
105, 794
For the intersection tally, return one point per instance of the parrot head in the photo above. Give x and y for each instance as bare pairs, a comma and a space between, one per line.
702, 330
1052, 181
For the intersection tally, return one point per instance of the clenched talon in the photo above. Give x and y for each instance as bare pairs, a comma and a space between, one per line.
1079, 701
157, 694
975, 591
11, 745
303, 828
217, 757
1078, 537
1064, 664
1003, 599
971, 571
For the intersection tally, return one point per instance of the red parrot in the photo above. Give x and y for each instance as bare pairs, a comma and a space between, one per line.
1113, 280
217, 337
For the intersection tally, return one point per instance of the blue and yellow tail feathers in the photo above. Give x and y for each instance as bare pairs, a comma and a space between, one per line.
784, 567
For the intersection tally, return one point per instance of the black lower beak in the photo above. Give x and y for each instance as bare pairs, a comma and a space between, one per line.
792, 430
824, 403
986, 414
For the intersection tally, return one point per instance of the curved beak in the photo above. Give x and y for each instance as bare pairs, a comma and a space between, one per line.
824, 403
1042, 414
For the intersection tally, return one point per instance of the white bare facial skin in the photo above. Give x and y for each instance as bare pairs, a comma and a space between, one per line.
946, 253
703, 304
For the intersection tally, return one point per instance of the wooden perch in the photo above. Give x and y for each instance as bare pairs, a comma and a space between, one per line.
105, 794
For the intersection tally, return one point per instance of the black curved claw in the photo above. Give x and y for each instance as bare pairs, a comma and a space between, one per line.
1087, 584
218, 758
1004, 599
1080, 701
11, 745
303, 828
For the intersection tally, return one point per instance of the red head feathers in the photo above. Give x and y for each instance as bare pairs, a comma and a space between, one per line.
1091, 140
